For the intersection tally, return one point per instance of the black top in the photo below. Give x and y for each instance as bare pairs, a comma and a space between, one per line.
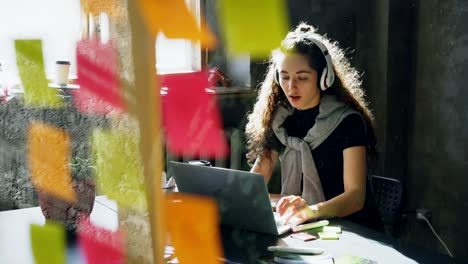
328, 157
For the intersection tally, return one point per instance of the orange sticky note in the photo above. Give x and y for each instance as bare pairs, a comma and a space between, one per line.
118, 167
30, 63
49, 158
173, 18
48, 243
113, 8
98, 72
254, 27
194, 233
191, 117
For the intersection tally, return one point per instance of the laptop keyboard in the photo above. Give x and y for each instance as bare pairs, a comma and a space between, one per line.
280, 226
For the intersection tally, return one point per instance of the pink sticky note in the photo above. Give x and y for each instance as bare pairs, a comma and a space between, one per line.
97, 75
87, 102
191, 116
100, 245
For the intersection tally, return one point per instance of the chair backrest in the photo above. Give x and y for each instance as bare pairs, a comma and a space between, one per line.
387, 193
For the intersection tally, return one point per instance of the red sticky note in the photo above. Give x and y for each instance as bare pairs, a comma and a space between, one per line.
97, 71
100, 245
86, 102
191, 116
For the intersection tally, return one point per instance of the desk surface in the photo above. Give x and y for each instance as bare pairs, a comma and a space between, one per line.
239, 246
15, 244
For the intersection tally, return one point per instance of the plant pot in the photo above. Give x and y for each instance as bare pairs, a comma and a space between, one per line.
68, 213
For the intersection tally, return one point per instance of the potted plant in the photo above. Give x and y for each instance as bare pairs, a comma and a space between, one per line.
54, 209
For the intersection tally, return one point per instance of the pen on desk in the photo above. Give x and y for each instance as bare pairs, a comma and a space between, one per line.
297, 250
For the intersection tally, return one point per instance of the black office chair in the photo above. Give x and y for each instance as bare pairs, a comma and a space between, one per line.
388, 193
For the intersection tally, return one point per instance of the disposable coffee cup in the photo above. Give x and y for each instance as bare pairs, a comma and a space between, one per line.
61, 72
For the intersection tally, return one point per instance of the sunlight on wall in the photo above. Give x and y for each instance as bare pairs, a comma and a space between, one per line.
56, 22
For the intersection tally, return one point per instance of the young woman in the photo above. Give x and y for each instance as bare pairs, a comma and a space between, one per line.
311, 114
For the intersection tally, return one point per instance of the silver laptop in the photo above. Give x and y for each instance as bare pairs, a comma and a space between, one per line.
242, 196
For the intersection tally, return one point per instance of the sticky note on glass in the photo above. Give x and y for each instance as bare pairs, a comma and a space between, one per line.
191, 116
113, 8
332, 229
194, 233
49, 158
100, 245
328, 235
48, 243
254, 27
174, 19
87, 102
119, 168
97, 71
30, 63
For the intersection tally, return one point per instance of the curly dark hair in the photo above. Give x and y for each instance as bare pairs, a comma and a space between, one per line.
346, 87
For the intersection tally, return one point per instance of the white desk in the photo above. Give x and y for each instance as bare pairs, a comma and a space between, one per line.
15, 245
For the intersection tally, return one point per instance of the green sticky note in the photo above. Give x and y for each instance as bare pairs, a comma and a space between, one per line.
119, 168
332, 229
48, 243
30, 63
328, 235
254, 27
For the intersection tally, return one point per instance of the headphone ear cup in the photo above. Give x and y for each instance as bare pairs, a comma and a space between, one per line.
323, 79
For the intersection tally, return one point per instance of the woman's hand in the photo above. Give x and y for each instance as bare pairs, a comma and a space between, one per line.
295, 210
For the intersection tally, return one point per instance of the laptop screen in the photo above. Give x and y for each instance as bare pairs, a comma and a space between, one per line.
242, 196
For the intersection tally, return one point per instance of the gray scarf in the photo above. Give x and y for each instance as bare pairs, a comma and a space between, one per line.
296, 160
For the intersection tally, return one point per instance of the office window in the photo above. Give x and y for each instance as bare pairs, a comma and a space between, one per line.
56, 22
179, 55
59, 24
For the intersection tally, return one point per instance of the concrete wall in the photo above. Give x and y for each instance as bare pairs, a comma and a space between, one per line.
438, 127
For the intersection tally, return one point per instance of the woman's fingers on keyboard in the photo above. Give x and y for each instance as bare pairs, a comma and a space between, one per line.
286, 203
282, 204
297, 213
291, 202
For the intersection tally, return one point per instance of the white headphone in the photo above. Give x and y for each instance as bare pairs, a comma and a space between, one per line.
328, 75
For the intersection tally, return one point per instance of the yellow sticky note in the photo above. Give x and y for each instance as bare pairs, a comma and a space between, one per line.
30, 63
332, 229
254, 27
49, 158
194, 233
118, 168
328, 235
173, 18
48, 243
